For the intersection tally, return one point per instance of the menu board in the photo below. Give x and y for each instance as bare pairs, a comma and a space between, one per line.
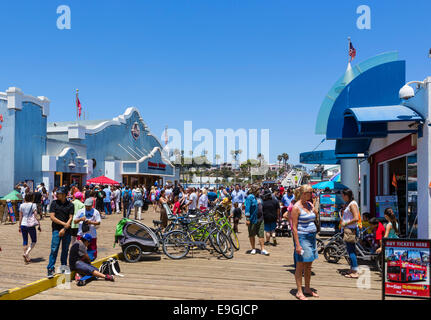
383, 202
406, 268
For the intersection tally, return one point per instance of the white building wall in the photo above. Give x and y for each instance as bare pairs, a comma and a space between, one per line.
424, 169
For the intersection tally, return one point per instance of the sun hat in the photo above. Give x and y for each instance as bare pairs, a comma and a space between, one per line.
78, 195
88, 202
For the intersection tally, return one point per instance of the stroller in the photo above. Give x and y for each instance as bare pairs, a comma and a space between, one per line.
136, 239
283, 228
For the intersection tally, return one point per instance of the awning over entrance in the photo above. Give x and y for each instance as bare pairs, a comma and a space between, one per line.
372, 122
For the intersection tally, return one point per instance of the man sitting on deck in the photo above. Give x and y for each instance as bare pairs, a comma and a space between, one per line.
79, 260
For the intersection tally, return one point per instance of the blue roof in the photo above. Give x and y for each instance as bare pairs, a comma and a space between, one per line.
350, 75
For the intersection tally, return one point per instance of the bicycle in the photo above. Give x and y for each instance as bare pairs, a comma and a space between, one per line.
198, 236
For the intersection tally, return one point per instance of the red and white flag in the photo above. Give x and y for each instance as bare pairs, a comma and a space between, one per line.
78, 105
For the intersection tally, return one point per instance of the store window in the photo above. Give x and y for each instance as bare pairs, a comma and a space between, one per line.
412, 196
364, 190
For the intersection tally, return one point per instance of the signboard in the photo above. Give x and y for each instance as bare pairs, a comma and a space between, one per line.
330, 206
156, 166
383, 202
406, 268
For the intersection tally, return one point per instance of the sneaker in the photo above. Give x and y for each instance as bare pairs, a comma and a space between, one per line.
109, 278
253, 251
51, 273
264, 252
267, 243
65, 269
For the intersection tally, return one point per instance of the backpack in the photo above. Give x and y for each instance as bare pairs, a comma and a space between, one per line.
126, 196
111, 267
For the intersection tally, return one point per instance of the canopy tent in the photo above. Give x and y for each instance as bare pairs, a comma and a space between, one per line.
13, 196
102, 180
332, 185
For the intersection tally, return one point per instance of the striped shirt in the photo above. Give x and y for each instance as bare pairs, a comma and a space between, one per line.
306, 222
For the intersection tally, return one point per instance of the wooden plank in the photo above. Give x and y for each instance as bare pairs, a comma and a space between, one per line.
245, 277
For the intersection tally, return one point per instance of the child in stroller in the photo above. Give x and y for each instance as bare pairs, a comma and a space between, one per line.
283, 228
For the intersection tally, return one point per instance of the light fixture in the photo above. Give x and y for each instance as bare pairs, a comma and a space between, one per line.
71, 165
407, 92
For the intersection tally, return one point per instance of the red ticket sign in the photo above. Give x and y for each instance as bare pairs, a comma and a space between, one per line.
406, 268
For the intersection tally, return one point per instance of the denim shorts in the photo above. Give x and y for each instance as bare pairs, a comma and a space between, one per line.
270, 226
308, 244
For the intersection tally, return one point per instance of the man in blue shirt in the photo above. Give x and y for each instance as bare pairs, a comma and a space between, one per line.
238, 196
107, 200
255, 222
287, 198
212, 197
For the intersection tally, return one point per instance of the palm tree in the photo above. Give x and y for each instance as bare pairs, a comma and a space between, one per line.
285, 157
235, 154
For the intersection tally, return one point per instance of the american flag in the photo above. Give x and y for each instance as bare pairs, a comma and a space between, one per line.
78, 105
352, 51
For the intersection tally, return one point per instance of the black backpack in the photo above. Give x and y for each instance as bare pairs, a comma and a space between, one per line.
111, 267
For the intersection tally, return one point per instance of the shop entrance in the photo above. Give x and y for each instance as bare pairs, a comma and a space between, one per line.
398, 177
134, 180
62, 178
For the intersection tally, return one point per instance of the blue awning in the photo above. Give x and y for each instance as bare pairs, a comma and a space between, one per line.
372, 122
351, 148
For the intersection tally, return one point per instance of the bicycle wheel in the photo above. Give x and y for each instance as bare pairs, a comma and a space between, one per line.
176, 244
320, 245
213, 240
331, 254
132, 253
233, 238
225, 245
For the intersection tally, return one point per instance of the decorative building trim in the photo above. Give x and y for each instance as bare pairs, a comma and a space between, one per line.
16, 98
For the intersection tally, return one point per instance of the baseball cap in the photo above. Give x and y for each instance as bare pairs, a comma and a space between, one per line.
88, 202
87, 237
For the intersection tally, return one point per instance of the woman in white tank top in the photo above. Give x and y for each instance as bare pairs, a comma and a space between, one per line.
350, 220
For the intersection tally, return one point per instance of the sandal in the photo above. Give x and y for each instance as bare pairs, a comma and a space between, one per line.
311, 294
301, 297
349, 275
26, 259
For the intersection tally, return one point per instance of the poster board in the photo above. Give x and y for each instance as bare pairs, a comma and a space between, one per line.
406, 268
383, 202
330, 206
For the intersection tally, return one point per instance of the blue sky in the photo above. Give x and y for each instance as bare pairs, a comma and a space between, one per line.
222, 63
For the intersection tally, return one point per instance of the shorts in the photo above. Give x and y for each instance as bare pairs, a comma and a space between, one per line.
84, 268
256, 229
26, 231
74, 232
308, 244
269, 227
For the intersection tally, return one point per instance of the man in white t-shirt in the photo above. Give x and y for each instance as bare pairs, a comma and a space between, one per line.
117, 197
90, 217
192, 201
168, 192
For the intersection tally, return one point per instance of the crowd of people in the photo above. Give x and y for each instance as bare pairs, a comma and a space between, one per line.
76, 214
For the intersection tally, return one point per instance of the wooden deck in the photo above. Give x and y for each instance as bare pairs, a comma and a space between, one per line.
202, 276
